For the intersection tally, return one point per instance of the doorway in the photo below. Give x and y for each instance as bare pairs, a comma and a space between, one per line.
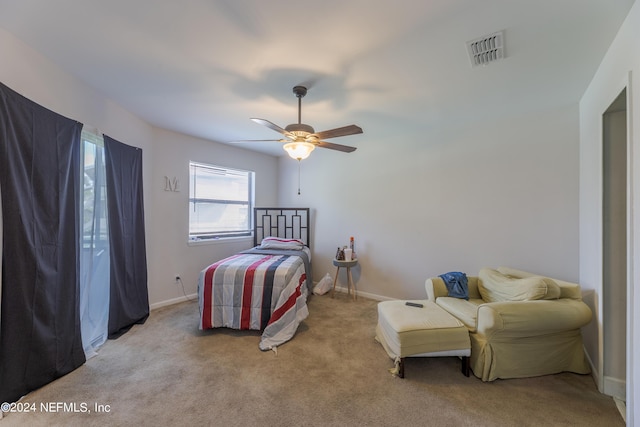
615, 251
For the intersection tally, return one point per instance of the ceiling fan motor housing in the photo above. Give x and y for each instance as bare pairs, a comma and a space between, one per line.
299, 127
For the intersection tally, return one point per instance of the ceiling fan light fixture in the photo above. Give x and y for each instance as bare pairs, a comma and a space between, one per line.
299, 150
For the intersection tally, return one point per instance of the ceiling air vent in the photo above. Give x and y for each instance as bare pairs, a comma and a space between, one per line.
486, 49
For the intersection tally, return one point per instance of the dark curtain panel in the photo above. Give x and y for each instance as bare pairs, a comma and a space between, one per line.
40, 337
129, 303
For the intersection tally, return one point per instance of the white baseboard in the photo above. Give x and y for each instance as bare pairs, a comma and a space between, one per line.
193, 297
172, 301
615, 388
622, 408
365, 294
594, 371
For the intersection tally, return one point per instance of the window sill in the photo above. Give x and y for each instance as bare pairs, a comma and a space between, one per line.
220, 240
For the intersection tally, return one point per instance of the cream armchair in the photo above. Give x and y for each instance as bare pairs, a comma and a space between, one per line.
520, 324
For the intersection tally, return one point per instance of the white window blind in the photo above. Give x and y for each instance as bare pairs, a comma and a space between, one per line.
220, 201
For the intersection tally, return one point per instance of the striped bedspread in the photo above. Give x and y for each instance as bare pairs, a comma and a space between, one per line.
260, 290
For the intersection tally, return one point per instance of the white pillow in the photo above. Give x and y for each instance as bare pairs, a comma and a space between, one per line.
495, 286
279, 243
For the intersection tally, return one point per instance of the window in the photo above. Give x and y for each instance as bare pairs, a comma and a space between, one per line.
94, 195
95, 259
220, 202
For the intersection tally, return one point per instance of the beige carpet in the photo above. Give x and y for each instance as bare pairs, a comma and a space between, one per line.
332, 373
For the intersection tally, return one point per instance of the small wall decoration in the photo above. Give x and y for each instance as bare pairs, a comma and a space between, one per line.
171, 184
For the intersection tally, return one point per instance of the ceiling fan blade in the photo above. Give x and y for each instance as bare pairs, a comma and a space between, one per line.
257, 140
343, 131
273, 126
338, 147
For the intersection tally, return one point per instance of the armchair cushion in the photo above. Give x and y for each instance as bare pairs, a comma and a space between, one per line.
495, 286
567, 289
465, 311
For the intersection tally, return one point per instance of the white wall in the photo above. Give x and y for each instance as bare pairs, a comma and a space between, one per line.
619, 68
170, 252
32, 75
164, 153
424, 202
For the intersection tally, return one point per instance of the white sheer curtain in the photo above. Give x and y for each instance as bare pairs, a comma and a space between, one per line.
94, 260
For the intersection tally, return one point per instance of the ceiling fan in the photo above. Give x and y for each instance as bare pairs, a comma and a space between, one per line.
302, 139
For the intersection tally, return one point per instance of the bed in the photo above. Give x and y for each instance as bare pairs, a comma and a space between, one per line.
266, 287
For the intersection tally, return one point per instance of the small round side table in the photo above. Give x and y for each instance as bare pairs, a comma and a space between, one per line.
347, 264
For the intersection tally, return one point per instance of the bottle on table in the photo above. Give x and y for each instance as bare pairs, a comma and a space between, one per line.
352, 245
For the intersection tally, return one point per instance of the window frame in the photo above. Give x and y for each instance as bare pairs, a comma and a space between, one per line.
212, 235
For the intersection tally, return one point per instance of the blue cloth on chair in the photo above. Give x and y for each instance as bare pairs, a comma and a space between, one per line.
456, 283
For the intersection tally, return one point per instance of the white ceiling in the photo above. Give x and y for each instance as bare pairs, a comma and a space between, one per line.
204, 67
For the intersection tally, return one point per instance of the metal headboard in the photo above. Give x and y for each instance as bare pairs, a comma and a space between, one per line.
288, 223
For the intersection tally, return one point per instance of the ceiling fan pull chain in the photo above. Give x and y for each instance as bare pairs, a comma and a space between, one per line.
299, 161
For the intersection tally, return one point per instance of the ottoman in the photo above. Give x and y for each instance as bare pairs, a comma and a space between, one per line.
427, 331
